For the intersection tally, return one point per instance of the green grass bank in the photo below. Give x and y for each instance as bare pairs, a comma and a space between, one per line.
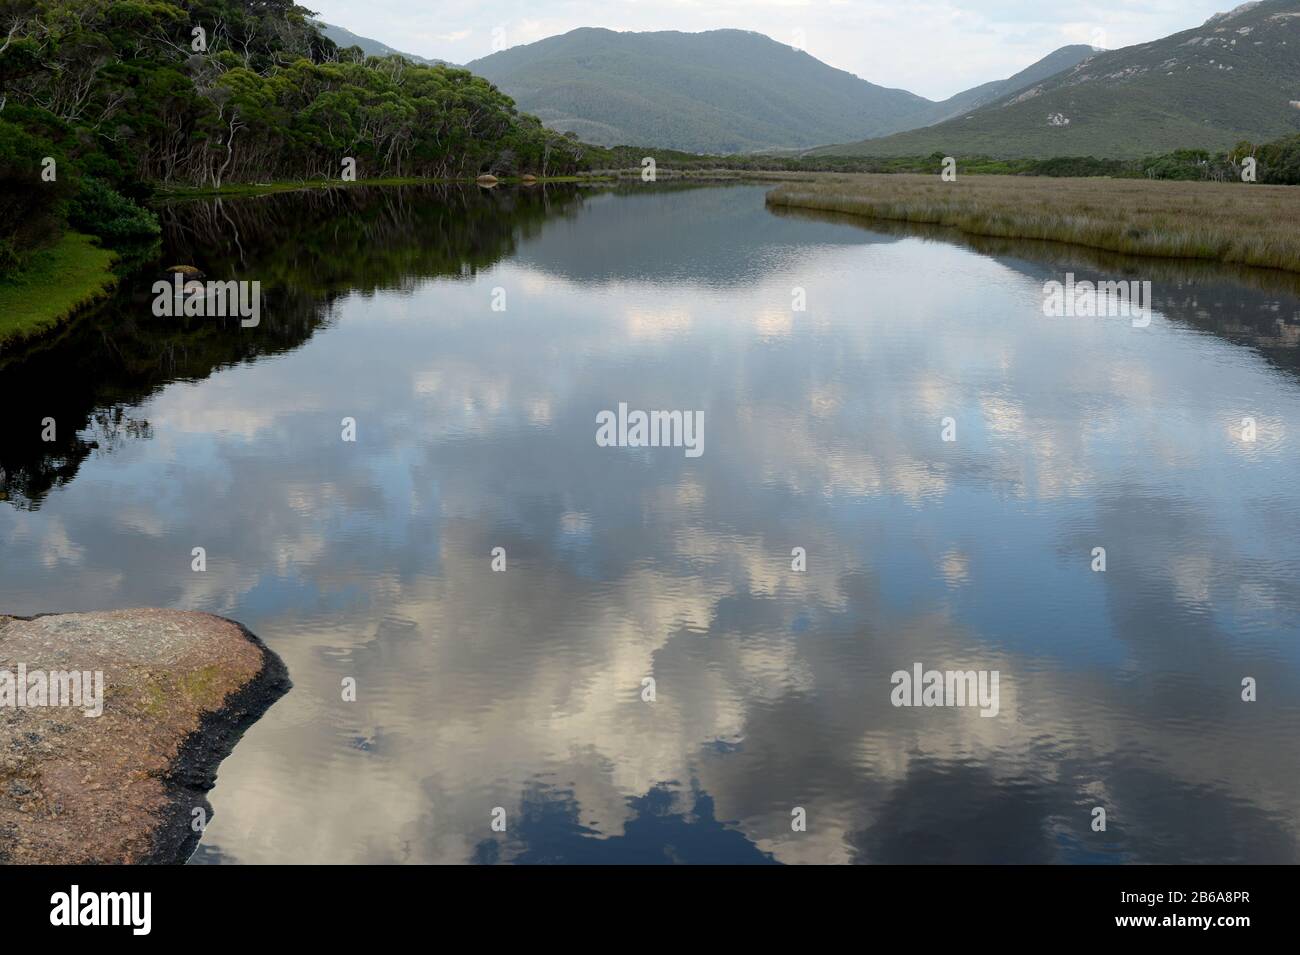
61, 280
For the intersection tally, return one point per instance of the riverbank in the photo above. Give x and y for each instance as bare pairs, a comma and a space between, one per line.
719, 174
1233, 223
241, 189
175, 693
73, 273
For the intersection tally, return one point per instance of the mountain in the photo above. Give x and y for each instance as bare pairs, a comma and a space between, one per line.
718, 91
1235, 77
345, 38
1053, 63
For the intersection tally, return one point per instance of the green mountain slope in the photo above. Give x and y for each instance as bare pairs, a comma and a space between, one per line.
719, 91
345, 38
1235, 77
1053, 63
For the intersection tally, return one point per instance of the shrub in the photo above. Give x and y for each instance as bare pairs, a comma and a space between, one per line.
1279, 162
101, 210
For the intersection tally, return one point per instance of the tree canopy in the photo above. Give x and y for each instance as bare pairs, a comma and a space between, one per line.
136, 93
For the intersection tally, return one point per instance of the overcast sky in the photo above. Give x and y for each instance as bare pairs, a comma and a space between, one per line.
931, 48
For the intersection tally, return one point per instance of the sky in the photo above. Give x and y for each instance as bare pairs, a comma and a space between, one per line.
931, 48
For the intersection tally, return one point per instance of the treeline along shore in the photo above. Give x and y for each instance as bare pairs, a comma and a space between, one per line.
105, 102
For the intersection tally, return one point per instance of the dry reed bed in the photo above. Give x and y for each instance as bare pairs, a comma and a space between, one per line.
1242, 223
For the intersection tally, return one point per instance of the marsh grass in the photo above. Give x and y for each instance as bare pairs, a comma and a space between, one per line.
1252, 225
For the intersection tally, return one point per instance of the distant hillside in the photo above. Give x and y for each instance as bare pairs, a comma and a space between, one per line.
345, 38
1235, 77
719, 91
1050, 65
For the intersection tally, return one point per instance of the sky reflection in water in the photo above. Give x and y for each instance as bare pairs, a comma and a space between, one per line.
822, 430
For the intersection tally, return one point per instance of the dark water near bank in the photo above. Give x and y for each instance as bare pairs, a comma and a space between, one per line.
522, 690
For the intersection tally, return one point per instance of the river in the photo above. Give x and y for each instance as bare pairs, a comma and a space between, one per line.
902, 461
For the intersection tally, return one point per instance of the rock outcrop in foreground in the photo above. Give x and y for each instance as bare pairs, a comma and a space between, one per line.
178, 690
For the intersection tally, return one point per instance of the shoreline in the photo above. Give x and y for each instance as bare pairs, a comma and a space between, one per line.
613, 175
243, 189
62, 281
178, 691
193, 772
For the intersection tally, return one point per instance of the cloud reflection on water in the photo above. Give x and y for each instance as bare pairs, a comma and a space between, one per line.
522, 689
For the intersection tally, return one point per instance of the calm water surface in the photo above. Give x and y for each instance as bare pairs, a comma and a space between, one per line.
476, 430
